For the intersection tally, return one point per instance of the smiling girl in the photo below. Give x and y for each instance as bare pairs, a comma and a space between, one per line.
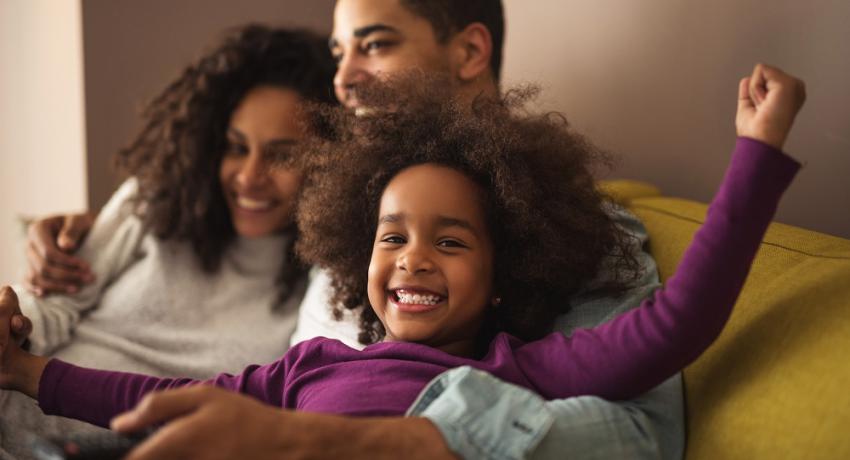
475, 230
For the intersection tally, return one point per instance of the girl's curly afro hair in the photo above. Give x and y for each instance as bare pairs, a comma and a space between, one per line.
552, 229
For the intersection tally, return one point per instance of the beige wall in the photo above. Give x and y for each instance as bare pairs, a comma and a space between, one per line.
656, 81
134, 48
42, 143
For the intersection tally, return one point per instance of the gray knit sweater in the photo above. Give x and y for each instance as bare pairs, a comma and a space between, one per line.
153, 310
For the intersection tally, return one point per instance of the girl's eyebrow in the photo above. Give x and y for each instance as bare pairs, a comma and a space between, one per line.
442, 221
391, 218
445, 221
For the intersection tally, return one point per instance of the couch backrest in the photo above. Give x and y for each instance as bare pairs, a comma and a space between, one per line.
776, 383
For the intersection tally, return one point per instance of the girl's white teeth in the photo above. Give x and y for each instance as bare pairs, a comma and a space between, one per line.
253, 205
418, 299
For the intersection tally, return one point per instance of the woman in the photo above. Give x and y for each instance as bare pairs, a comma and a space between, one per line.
193, 254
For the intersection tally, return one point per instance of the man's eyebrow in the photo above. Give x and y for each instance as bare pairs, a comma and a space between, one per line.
364, 31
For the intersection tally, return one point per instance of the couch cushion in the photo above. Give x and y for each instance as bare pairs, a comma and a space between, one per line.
776, 383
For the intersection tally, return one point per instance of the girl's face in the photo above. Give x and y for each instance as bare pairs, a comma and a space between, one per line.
260, 197
431, 273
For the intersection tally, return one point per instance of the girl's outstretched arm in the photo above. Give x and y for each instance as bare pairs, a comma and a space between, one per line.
642, 348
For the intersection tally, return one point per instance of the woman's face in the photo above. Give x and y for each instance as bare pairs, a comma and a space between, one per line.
260, 195
431, 273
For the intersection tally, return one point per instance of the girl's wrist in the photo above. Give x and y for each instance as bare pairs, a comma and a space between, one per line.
32, 368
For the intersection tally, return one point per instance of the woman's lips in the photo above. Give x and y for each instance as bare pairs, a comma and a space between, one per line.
253, 204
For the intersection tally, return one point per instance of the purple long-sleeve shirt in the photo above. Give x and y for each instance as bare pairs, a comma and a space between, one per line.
617, 360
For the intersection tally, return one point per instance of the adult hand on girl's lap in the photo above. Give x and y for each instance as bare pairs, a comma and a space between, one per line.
208, 422
768, 101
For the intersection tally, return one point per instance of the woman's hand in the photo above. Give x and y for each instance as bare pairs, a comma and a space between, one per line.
51, 267
211, 423
19, 370
768, 101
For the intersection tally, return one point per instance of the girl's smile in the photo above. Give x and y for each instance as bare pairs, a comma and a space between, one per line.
414, 299
430, 276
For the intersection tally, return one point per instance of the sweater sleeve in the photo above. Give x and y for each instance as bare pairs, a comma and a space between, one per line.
645, 346
96, 396
110, 247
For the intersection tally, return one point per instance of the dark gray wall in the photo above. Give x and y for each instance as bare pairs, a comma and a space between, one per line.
134, 48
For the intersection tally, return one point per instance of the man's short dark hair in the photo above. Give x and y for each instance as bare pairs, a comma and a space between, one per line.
449, 17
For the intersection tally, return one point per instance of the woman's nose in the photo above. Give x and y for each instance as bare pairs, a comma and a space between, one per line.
254, 171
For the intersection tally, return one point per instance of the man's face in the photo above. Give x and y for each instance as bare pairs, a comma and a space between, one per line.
375, 38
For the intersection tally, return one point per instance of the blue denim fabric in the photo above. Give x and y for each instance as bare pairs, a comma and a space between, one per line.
483, 417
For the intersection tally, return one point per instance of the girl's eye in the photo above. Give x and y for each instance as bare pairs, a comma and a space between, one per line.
450, 244
392, 239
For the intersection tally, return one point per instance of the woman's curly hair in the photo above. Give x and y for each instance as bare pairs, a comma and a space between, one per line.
177, 155
552, 230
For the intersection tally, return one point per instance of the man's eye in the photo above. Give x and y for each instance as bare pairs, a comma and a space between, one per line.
376, 45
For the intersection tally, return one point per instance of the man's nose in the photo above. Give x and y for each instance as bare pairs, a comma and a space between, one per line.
350, 72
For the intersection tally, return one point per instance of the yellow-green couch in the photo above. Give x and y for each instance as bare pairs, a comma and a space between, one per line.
776, 383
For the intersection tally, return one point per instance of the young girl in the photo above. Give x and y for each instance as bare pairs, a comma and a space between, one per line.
193, 254
458, 234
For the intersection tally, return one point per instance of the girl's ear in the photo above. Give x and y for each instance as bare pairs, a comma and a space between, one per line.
472, 48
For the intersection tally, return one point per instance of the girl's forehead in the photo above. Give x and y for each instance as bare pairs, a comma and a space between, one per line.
433, 191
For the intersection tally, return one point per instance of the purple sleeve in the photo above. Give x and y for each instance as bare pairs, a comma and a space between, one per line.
96, 396
643, 347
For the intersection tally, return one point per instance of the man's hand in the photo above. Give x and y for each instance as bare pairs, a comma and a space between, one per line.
768, 101
210, 423
51, 267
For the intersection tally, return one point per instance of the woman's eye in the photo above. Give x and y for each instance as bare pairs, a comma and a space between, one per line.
235, 149
280, 156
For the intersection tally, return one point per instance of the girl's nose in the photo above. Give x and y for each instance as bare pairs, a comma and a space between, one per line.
415, 260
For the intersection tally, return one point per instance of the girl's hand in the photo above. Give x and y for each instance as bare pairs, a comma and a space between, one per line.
768, 101
19, 370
